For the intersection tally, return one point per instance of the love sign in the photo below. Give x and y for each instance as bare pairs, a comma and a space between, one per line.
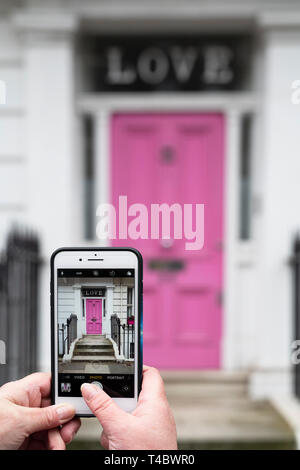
165, 64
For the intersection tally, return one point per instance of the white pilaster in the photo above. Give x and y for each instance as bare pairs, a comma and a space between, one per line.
281, 214
109, 309
231, 319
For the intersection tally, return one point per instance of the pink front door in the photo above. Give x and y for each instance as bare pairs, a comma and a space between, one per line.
175, 158
93, 312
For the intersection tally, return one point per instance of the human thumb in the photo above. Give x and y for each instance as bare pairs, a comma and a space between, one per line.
104, 408
41, 419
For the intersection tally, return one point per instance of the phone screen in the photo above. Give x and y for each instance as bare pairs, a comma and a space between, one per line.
96, 330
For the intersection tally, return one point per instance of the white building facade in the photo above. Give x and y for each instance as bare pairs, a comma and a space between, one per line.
42, 140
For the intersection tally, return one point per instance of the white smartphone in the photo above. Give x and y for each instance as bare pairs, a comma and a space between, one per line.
96, 324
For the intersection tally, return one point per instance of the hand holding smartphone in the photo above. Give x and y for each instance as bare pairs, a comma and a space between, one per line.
96, 324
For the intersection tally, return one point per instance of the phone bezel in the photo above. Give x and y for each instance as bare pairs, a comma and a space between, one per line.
126, 403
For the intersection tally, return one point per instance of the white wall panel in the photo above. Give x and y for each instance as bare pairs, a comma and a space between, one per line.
13, 186
13, 76
9, 42
12, 139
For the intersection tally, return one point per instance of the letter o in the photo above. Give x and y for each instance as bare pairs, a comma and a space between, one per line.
158, 73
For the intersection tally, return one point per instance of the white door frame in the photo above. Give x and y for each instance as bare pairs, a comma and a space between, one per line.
232, 105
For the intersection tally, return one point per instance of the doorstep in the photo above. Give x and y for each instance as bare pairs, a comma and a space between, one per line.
212, 410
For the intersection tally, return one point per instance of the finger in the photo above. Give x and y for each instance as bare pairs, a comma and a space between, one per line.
21, 394
39, 419
45, 402
29, 390
55, 440
69, 430
152, 385
36, 441
104, 408
104, 441
41, 379
36, 444
39, 436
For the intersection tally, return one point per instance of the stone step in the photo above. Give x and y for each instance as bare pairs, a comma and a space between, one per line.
212, 409
221, 422
94, 352
197, 391
94, 341
92, 358
94, 336
243, 425
93, 345
204, 376
192, 386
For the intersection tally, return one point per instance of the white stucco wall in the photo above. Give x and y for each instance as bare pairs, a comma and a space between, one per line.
13, 161
281, 200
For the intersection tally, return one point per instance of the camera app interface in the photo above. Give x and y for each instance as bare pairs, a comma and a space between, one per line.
96, 330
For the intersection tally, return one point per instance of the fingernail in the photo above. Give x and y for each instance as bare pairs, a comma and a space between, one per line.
89, 390
65, 411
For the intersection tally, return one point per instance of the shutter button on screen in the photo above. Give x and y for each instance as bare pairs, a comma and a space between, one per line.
98, 384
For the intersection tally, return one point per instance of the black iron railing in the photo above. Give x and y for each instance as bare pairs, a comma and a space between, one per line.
71, 330
19, 263
67, 334
128, 341
123, 336
115, 331
62, 337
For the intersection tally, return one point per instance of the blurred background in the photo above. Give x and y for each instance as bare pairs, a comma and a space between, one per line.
162, 101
